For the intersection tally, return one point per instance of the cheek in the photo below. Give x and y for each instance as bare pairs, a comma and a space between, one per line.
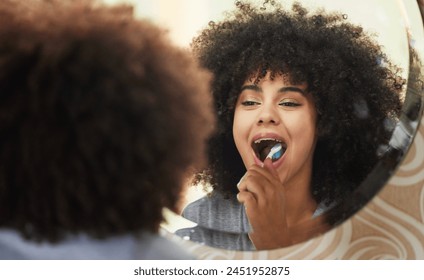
308, 139
240, 129
303, 133
308, 121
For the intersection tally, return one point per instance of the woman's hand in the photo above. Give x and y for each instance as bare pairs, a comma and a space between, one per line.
263, 196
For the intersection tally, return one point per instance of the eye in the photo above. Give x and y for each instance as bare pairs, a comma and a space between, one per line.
250, 103
289, 103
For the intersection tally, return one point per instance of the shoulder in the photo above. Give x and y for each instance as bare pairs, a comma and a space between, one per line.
82, 247
217, 239
157, 247
218, 212
213, 203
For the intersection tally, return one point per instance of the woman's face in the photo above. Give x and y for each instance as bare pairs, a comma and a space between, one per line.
276, 112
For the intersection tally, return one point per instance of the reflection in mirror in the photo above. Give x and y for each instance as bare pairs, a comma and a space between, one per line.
405, 128
322, 92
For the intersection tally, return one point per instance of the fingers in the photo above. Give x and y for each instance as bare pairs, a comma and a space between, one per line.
261, 182
248, 199
267, 170
262, 194
250, 189
255, 183
268, 166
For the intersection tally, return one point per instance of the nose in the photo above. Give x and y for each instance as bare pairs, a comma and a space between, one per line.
268, 115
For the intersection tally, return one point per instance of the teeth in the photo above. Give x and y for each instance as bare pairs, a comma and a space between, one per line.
269, 147
266, 139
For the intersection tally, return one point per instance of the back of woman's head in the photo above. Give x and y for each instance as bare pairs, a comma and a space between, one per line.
100, 119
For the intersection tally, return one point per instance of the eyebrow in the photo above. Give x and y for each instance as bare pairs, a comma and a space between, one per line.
283, 89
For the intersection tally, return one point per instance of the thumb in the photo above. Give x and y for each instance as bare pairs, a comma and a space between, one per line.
268, 165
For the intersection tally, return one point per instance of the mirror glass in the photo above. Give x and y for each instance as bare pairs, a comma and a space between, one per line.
395, 25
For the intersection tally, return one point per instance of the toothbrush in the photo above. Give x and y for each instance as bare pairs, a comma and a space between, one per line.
275, 152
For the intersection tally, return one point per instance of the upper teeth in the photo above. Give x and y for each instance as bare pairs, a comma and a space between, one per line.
266, 139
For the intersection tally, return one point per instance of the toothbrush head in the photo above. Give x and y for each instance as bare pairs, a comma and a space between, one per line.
276, 152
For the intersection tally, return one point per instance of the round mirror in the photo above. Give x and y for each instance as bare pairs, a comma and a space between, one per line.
393, 30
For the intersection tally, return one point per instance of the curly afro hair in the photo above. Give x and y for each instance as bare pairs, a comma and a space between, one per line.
101, 119
356, 89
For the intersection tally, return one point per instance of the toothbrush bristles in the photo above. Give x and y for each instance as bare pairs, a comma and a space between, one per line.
274, 150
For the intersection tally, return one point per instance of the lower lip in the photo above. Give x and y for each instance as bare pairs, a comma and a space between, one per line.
275, 164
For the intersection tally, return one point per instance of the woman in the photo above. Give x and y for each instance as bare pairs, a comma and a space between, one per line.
312, 86
93, 137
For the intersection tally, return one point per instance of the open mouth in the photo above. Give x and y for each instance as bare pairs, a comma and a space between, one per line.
269, 147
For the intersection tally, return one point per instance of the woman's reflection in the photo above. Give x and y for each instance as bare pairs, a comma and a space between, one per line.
305, 104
